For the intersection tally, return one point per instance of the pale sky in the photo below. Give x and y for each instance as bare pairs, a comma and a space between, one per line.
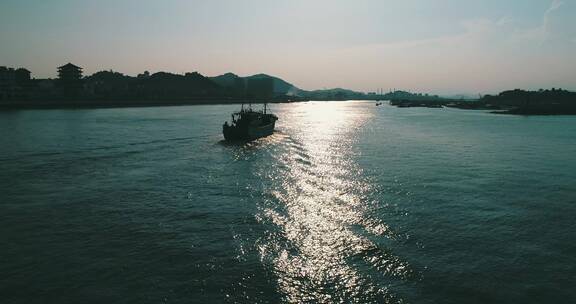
436, 46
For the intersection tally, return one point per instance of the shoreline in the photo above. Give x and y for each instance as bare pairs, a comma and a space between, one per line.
112, 105
530, 113
81, 105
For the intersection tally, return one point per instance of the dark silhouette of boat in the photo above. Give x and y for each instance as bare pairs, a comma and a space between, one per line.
248, 125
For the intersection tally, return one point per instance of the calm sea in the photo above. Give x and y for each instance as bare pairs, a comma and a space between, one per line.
346, 203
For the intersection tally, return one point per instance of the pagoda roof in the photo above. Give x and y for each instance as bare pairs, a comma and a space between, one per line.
69, 65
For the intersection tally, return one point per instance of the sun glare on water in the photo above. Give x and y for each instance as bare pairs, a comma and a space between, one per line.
318, 204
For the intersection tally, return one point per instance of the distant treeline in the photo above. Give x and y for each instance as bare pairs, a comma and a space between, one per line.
541, 102
110, 88
553, 101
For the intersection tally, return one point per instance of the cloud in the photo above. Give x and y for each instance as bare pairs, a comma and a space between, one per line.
559, 23
548, 15
487, 56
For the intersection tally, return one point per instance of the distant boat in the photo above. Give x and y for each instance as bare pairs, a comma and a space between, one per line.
378, 103
249, 125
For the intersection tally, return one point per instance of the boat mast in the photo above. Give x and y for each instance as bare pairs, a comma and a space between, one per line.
245, 97
249, 98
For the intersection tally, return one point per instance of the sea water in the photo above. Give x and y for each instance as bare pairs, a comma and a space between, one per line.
346, 203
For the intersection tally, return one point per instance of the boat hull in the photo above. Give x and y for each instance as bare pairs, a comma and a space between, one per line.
235, 133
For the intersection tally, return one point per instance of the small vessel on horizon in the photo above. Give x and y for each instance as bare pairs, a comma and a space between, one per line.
248, 125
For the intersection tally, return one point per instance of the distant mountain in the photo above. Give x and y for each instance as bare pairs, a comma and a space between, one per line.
332, 94
280, 86
235, 82
226, 80
334, 91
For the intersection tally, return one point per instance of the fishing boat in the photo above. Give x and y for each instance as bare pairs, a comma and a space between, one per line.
247, 125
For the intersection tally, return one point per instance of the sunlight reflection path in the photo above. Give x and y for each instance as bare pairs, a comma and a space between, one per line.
319, 198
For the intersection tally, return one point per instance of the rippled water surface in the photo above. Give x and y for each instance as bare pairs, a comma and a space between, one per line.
346, 203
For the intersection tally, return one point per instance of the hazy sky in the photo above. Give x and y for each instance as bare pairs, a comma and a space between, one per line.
439, 46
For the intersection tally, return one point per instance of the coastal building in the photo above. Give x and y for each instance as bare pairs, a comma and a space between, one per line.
70, 80
69, 73
7, 80
14, 83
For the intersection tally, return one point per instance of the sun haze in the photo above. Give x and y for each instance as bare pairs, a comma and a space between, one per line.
441, 46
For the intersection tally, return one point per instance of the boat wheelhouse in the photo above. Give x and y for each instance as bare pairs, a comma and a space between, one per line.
247, 125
